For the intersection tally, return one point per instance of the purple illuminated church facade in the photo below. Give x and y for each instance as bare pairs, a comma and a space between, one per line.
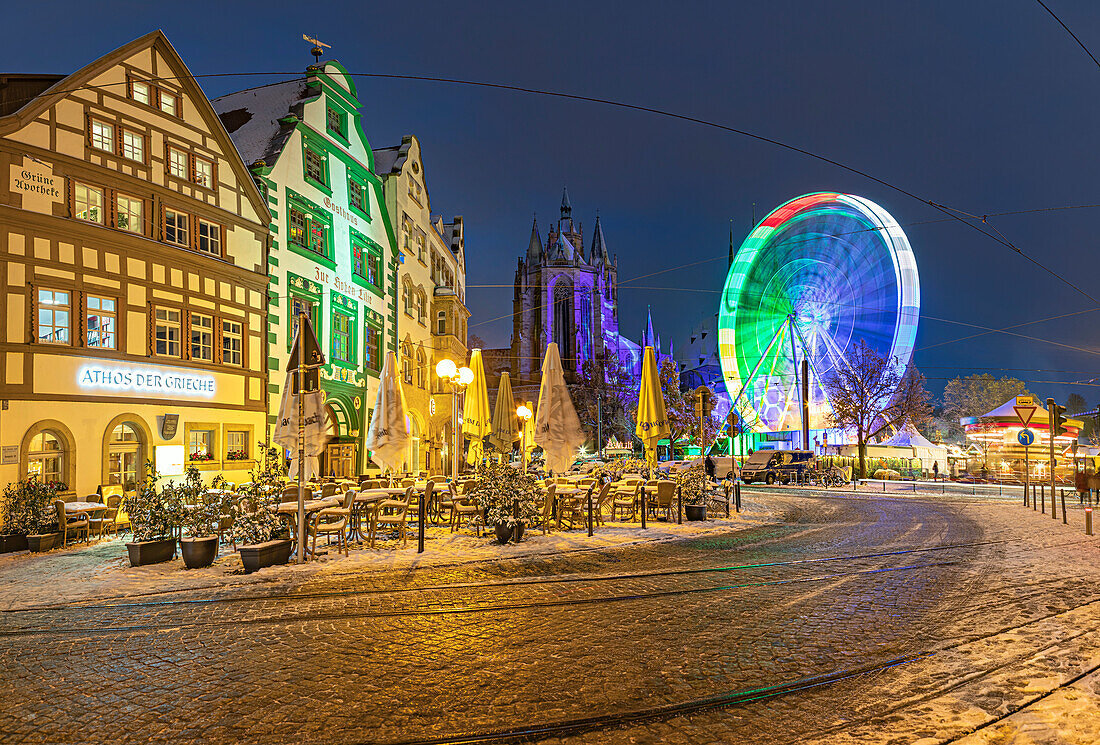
569, 295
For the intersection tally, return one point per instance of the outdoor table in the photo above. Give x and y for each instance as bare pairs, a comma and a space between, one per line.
313, 509
367, 500
84, 506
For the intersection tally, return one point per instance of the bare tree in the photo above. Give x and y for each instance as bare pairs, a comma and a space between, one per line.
604, 394
975, 395
872, 394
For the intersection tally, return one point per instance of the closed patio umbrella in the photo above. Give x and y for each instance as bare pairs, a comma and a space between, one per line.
476, 417
388, 435
652, 420
557, 428
504, 431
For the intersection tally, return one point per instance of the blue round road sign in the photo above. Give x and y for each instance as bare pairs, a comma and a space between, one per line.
1026, 437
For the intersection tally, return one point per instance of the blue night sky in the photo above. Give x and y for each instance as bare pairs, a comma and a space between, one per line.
987, 105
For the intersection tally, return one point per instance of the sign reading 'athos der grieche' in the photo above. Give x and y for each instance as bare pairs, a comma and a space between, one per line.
146, 380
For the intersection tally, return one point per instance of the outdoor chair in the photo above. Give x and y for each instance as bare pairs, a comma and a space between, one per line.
224, 522
97, 521
75, 523
626, 499
117, 516
573, 508
329, 490
334, 521
446, 498
465, 505
290, 493
665, 490
599, 501
396, 519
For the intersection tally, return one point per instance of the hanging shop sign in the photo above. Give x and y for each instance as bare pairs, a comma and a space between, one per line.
146, 380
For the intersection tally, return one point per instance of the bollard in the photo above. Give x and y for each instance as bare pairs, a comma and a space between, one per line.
590, 513
727, 499
645, 504
1063, 498
737, 496
1088, 521
420, 525
1053, 506
1043, 497
679, 505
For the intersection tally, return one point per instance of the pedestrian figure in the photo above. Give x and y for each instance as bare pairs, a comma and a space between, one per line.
935, 470
709, 467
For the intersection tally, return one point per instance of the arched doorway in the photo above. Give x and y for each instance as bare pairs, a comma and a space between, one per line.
48, 451
340, 453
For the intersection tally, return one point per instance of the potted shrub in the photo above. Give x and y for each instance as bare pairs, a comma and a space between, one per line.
692, 482
199, 517
28, 518
154, 519
509, 499
256, 526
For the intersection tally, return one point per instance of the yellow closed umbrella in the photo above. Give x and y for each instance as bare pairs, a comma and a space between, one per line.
529, 431
504, 431
476, 417
652, 419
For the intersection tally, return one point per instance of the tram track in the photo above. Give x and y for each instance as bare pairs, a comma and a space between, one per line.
455, 610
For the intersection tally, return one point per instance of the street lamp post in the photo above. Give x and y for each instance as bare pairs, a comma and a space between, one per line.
524, 415
457, 378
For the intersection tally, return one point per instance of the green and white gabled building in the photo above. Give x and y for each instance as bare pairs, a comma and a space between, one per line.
333, 251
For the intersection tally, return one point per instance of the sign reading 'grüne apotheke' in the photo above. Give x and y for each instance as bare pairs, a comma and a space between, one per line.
146, 380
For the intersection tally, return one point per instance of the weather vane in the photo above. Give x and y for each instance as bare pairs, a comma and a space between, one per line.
318, 47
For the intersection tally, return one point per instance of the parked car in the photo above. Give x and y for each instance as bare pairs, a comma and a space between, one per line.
783, 466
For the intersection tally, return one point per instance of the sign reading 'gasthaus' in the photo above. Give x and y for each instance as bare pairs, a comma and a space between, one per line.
146, 380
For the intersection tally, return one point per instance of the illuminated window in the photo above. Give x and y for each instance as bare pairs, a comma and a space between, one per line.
406, 298
335, 122
420, 253
129, 215
232, 343
168, 332
200, 444
124, 456
46, 457
204, 172
54, 318
355, 195
101, 322
168, 103
139, 92
103, 136
372, 342
210, 238
315, 166
133, 146
300, 305
88, 203
236, 445
441, 322
176, 227
341, 338
406, 363
421, 369
177, 162
202, 337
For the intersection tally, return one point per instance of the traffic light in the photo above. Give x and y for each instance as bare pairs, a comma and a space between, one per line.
1057, 419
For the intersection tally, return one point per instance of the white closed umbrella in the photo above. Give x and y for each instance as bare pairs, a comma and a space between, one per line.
557, 427
319, 427
388, 434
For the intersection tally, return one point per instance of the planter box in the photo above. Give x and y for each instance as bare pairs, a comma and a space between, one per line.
10, 543
199, 552
695, 512
260, 555
42, 541
151, 552
503, 533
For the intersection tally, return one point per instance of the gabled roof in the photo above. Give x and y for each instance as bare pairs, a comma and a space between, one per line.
252, 118
50, 96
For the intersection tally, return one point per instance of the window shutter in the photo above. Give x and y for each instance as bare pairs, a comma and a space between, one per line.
88, 128
218, 340
78, 313
185, 332
214, 174
110, 210
225, 251
159, 233
151, 328
72, 197
32, 327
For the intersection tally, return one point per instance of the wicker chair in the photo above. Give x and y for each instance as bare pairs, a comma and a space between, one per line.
396, 519
118, 517
98, 520
334, 521
626, 499
75, 523
602, 499
666, 490
572, 508
465, 505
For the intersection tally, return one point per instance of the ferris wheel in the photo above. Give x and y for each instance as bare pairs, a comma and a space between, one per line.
815, 277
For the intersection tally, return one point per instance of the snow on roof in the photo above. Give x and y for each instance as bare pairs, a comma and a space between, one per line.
252, 118
385, 158
908, 436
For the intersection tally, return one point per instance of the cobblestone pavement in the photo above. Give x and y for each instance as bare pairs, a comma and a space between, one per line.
887, 619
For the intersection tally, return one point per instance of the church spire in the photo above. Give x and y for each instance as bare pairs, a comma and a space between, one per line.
534, 248
648, 341
597, 256
566, 207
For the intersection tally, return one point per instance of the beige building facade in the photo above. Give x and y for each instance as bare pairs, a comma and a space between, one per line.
134, 275
431, 301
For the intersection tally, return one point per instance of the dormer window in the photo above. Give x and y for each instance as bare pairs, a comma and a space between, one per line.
169, 103
204, 172
139, 92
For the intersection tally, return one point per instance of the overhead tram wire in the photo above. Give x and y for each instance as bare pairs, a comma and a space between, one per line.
1069, 31
946, 210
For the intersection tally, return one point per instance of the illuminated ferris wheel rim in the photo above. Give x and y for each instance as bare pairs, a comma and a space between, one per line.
806, 276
